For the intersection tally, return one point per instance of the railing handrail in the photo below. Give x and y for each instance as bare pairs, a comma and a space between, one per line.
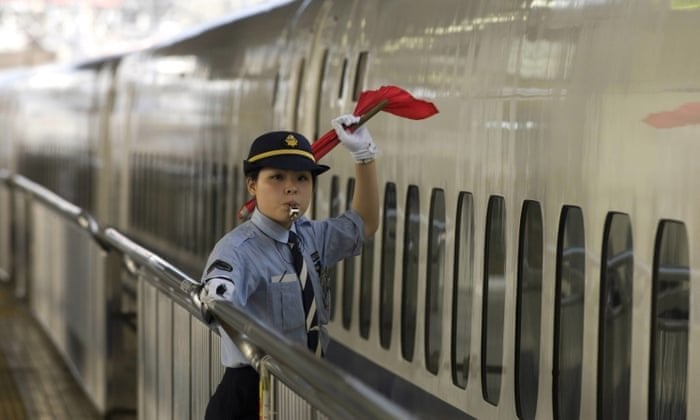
65, 208
290, 362
335, 393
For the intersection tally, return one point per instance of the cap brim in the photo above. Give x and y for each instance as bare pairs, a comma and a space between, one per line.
288, 162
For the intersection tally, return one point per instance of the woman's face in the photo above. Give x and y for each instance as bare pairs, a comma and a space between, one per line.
278, 190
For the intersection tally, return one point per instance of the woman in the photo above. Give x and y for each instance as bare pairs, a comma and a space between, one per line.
274, 265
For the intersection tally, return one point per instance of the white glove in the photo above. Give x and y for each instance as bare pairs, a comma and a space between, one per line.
216, 289
359, 143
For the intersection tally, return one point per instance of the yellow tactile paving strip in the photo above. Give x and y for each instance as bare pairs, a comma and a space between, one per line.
34, 382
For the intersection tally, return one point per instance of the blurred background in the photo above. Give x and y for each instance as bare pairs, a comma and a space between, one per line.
35, 32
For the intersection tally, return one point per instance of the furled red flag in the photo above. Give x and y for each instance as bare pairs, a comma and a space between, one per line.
391, 99
686, 114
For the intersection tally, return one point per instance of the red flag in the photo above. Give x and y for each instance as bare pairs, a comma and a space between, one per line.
686, 114
391, 99
400, 103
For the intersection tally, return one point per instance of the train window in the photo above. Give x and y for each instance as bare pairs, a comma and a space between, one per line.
151, 188
178, 181
435, 280
528, 310
319, 94
275, 88
493, 300
191, 205
615, 319
215, 182
568, 314
142, 213
239, 190
199, 205
168, 219
670, 309
341, 84
348, 268
463, 289
135, 183
297, 94
366, 282
221, 192
314, 201
360, 75
409, 290
388, 263
146, 192
334, 211
210, 221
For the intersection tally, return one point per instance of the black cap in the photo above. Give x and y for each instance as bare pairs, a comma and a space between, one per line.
282, 150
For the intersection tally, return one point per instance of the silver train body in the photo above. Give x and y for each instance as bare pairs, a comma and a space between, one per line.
537, 249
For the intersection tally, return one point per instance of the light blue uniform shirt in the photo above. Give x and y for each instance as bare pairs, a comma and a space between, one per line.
255, 257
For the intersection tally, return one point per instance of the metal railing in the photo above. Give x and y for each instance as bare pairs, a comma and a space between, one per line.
329, 390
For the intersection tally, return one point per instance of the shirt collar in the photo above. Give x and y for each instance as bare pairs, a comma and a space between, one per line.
271, 228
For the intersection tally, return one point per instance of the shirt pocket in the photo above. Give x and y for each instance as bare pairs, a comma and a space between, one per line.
288, 313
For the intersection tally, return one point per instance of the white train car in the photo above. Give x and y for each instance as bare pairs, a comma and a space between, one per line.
536, 253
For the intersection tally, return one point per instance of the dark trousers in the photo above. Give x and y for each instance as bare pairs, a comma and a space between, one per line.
236, 397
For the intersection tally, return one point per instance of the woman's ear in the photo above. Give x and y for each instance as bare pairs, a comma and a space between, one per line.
250, 183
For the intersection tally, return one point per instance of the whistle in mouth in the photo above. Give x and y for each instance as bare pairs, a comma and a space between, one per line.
293, 213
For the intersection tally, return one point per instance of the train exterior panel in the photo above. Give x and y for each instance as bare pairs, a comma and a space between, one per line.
537, 249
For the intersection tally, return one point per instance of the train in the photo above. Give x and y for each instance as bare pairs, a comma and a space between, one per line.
536, 251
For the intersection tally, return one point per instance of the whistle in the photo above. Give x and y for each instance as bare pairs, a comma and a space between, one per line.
293, 213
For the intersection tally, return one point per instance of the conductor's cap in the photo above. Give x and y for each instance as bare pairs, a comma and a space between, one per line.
282, 150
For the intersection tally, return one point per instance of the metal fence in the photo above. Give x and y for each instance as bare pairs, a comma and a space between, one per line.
124, 319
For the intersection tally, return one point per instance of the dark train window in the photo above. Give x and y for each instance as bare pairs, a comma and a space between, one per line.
493, 300
221, 191
670, 310
388, 264
360, 75
336, 201
341, 83
348, 268
177, 181
275, 88
239, 192
298, 93
569, 290
528, 310
314, 203
199, 205
135, 184
366, 281
409, 278
170, 218
319, 94
191, 205
463, 290
216, 182
151, 211
435, 278
615, 319
144, 204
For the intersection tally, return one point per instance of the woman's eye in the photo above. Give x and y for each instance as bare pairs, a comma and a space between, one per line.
303, 178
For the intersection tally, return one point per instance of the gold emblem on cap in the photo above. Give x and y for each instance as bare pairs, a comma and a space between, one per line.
291, 141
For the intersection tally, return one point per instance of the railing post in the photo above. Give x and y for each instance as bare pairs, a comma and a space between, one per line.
266, 396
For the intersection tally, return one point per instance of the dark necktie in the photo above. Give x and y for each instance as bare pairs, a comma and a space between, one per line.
307, 293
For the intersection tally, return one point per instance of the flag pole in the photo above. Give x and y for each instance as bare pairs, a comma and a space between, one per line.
372, 112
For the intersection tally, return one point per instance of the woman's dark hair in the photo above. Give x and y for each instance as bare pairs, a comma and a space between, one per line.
254, 176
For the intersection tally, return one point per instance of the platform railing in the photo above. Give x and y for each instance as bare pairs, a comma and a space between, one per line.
178, 353
5, 227
71, 282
